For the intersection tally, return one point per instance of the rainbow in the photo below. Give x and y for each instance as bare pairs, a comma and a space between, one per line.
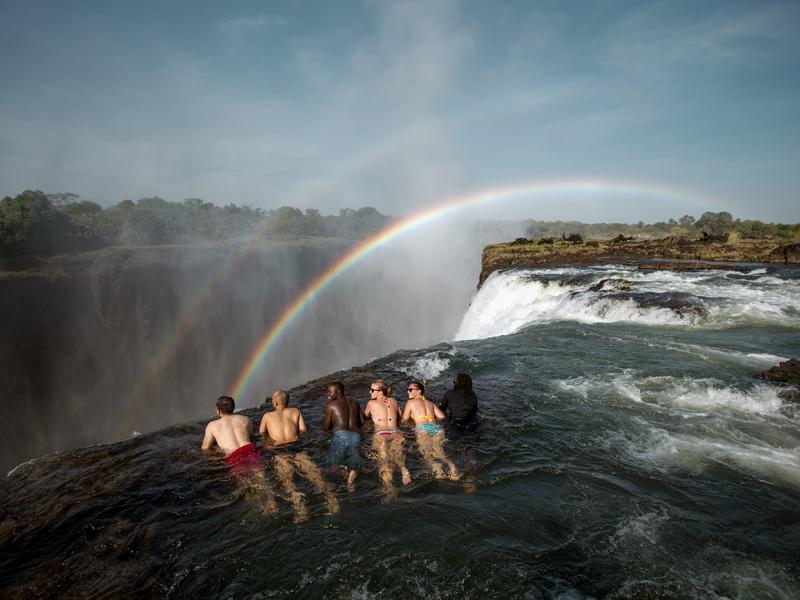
398, 228
169, 342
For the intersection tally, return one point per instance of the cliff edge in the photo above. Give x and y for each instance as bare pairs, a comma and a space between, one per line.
707, 252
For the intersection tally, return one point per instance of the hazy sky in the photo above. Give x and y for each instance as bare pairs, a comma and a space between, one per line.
399, 104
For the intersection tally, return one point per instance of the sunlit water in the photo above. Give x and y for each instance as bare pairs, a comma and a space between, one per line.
624, 450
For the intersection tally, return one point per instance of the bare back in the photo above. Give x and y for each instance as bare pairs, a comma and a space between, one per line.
283, 425
422, 411
384, 412
230, 432
342, 414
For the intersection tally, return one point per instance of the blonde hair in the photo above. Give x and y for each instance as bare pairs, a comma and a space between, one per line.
381, 385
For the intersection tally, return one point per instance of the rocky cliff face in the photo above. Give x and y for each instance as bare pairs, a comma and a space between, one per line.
709, 251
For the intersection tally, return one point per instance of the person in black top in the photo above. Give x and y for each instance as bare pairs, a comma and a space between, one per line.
460, 403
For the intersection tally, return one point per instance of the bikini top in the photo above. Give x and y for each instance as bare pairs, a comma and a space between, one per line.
419, 418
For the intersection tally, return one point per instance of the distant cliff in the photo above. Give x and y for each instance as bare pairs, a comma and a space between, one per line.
523, 253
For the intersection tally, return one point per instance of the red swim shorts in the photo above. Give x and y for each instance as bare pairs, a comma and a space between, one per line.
245, 460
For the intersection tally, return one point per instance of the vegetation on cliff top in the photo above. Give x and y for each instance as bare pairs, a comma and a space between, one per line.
562, 252
40, 224
716, 224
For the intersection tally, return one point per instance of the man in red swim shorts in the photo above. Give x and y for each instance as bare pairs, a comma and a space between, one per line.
232, 433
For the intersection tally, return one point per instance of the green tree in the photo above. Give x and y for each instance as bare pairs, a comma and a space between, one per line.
720, 223
30, 224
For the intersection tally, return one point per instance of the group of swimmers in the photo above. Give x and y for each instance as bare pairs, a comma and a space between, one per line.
281, 428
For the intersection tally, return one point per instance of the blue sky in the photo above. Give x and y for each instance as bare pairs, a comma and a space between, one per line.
401, 104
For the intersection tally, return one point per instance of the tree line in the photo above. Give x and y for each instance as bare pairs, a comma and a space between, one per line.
715, 224
44, 224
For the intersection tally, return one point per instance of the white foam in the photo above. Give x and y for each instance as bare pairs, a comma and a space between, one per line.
762, 460
426, 367
677, 395
511, 300
753, 360
644, 527
761, 399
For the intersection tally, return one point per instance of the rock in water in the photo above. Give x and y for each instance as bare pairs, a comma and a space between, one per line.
787, 372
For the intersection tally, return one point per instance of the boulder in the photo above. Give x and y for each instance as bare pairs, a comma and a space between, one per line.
787, 372
788, 253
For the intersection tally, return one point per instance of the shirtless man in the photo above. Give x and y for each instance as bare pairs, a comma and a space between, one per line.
388, 439
232, 434
343, 416
284, 426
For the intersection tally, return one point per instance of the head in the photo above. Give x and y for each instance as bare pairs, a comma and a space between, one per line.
280, 399
415, 389
335, 390
463, 382
379, 389
225, 405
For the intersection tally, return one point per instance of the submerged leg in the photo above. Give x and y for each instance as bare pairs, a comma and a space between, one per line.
381, 447
311, 472
398, 458
437, 446
426, 451
285, 471
258, 484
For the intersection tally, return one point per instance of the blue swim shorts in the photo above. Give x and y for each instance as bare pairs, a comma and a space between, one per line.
344, 449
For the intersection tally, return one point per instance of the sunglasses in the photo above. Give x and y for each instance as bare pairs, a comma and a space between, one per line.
412, 389
373, 390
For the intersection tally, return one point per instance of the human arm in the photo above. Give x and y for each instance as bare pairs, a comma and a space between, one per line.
438, 413
406, 412
262, 428
327, 421
208, 439
301, 424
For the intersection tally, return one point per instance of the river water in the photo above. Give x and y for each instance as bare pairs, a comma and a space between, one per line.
624, 450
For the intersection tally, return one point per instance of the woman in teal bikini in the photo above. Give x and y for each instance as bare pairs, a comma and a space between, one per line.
430, 436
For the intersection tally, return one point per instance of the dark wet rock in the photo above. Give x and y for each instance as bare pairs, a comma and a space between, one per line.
521, 241
791, 394
575, 238
619, 285
787, 372
678, 302
786, 253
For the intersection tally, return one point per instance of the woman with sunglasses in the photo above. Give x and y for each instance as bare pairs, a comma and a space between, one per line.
388, 440
430, 436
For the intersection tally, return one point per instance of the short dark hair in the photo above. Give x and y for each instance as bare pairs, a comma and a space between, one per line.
463, 382
338, 385
419, 385
225, 405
